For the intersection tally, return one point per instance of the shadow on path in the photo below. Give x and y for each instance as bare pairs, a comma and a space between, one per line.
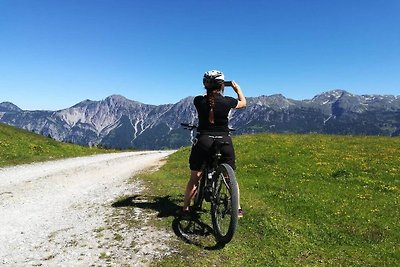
163, 205
193, 230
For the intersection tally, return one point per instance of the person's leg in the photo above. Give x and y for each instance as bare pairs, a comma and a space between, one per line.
228, 153
191, 188
240, 210
198, 156
240, 207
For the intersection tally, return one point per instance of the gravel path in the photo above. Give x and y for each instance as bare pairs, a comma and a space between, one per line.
59, 213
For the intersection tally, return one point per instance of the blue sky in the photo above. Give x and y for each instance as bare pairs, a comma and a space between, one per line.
54, 54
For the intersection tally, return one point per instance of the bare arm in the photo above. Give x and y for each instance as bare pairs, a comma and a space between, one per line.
240, 96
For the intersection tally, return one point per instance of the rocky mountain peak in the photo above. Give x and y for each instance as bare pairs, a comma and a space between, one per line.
275, 101
330, 97
117, 98
83, 103
9, 107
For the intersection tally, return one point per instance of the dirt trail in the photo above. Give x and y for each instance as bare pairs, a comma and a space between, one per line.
59, 213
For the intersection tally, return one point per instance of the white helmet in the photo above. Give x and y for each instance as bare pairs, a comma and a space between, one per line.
213, 79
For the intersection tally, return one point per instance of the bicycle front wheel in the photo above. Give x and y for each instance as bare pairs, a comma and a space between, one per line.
224, 209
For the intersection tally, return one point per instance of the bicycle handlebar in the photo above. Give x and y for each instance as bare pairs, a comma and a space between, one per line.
188, 126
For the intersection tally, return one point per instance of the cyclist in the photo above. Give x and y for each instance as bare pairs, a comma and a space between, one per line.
213, 110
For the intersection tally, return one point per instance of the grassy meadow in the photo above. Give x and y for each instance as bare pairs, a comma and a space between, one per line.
19, 146
309, 200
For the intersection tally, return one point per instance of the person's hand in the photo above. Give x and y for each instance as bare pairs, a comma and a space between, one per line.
241, 99
235, 86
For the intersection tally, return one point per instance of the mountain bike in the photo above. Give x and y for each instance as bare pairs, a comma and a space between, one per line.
219, 187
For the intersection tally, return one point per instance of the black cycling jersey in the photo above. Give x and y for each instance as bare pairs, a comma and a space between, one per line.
223, 104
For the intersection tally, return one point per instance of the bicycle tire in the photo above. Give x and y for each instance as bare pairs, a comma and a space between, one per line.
224, 206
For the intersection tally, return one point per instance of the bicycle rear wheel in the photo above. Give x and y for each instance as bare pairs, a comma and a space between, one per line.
224, 206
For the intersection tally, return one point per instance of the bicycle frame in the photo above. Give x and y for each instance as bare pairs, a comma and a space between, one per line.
219, 187
206, 184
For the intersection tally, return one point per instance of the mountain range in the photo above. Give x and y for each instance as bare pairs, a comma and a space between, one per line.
118, 122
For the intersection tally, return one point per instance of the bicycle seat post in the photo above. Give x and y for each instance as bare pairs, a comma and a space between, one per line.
216, 148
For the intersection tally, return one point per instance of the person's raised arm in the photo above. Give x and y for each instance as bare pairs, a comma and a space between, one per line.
240, 96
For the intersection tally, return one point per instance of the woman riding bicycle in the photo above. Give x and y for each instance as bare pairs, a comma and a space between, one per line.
213, 111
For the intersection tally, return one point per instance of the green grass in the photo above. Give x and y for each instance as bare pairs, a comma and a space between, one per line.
310, 200
19, 146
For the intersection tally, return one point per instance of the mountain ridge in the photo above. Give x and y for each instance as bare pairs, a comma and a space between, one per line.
119, 122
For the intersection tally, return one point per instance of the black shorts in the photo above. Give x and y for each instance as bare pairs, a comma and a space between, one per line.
201, 152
